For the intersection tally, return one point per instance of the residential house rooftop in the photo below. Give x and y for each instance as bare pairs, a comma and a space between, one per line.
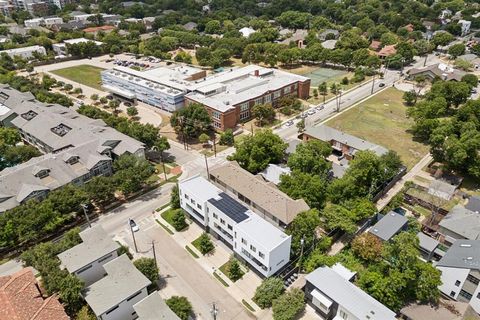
21, 299
445, 310
96, 243
273, 172
473, 204
463, 254
389, 225
265, 195
154, 308
463, 222
440, 70
121, 282
328, 134
350, 297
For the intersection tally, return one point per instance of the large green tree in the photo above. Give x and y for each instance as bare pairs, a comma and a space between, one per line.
180, 306
288, 305
310, 157
300, 185
255, 152
269, 290
303, 227
191, 120
148, 267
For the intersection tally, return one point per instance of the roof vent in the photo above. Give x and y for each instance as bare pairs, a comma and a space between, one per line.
375, 230
465, 245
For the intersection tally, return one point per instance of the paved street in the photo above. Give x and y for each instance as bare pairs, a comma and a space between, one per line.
182, 275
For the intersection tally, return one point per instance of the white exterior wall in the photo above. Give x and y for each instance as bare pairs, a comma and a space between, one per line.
96, 271
33, 23
341, 311
271, 263
475, 301
25, 54
184, 203
213, 221
52, 21
125, 309
449, 277
59, 48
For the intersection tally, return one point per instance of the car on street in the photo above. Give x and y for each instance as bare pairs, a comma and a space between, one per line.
319, 108
133, 225
303, 115
310, 112
289, 123
381, 84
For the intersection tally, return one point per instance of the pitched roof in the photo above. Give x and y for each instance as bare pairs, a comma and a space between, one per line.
463, 254
473, 204
387, 51
463, 222
350, 297
101, 28
327, 134
389, 225
21, 299
122, 281
440, 70
96, 244
154, 308
427, 243
446, 310
265, 195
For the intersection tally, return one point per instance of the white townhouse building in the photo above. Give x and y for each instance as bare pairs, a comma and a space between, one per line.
113, 297
25, 52
253, 240
86, 259
460, 268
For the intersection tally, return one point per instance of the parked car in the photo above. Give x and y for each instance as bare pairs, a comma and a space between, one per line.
133, 225
320, 108
303, 115
381, 84
311, 111
289, 123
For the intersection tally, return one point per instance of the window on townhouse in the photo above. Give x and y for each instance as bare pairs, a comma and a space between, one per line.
229, 227
465, 294
452, 294
217, 124
259, 100
478, 295
343, 315
277, 94
472, 279
222, 221
268, 98
457, 283
244, 106
287, 90
216, 115
186, 196
253, 248
261, 255
215, 216
244, 241
199, 206
192, 201
245, 115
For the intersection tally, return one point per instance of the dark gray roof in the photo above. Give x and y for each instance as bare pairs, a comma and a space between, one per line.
389, 225
154, 308
349, 296
426, 243
327, 134
122, 281
463, 222
233, 209
473, 204
463, 254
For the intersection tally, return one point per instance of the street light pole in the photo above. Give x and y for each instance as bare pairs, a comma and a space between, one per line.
154, 253
133, 236
214, 311
206, 165
84, 207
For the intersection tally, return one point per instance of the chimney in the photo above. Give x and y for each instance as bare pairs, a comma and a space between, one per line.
256, 73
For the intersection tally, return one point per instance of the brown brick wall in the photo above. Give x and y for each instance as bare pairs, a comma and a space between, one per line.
304, 89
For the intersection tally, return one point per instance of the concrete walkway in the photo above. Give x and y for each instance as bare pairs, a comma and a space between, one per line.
382, 202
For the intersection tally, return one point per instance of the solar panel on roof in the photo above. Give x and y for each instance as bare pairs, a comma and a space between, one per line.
230, 207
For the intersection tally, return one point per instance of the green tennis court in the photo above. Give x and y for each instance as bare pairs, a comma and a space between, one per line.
324, 75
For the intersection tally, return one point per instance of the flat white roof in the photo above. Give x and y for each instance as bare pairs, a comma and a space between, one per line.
24, 49
3, 109
81, 40
262, 231
200, 187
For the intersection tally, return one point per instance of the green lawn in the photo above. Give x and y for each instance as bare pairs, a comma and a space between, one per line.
83, 74
382, 119
196, 244
225, 268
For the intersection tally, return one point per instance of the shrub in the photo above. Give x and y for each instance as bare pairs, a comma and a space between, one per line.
180, 306
288, 305
178, 220
345, 80
148, 267
269, 290
227, 138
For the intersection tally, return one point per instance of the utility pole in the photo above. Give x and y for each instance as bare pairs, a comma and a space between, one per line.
214, 311
154, 253
84, 207
206, 165
302, 243
215, 144
373, 83
133, 236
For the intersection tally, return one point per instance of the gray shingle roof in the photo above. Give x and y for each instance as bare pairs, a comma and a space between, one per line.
154, 308
389, 225
122, 281
327, 134
427, 243
96, 244
349, 296
473, 204
463, 222
463, 254
18, 182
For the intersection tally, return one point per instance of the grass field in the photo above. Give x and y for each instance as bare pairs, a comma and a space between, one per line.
83, 74
382, 119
